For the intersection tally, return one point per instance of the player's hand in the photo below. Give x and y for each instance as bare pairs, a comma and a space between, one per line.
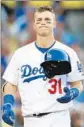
70, 94
8, 114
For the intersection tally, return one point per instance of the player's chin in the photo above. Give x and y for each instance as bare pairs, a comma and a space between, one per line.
44, 33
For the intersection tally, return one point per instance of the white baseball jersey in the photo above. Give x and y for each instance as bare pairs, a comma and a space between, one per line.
39, 94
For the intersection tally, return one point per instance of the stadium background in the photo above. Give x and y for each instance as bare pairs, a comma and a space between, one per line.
17, 30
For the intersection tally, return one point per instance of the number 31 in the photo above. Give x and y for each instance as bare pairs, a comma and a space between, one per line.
56, 85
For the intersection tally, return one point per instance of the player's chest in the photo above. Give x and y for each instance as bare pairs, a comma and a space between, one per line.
30, 65
32, 59
56, 84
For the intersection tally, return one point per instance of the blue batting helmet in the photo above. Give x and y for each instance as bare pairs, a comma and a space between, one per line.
57, 62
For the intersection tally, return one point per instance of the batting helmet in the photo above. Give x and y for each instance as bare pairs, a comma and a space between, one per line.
57, 62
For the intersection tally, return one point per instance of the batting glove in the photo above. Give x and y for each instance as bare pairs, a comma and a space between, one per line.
70, 94
7, 111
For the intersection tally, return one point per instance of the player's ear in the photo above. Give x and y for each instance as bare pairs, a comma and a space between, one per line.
34, 26
54, 21
54, 24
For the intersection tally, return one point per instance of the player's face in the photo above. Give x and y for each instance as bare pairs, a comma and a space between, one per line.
44, 23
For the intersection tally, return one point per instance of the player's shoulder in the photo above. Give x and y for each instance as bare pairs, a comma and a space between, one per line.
25, 49
66, 48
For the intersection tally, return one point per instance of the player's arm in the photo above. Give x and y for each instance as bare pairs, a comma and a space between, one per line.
9, 88
78, 85
72, 93
11, 75
9, 91
75, 78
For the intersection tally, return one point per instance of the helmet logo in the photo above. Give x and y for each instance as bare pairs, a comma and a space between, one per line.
49, 56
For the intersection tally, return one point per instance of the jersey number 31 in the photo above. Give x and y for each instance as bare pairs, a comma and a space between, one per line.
55, 86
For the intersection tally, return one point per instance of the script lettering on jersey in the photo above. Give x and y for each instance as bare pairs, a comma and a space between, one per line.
29, 73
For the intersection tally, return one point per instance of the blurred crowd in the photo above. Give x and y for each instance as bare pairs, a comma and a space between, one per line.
17, 30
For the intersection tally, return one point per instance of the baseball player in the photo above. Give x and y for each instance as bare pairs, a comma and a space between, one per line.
45, 98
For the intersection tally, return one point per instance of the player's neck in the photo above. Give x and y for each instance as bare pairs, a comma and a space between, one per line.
45, 42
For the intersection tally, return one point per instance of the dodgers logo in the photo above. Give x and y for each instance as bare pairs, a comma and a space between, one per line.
79, 66
49, 56
28, 73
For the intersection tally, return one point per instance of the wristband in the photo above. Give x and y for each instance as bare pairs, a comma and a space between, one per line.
75, 92
8, 99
